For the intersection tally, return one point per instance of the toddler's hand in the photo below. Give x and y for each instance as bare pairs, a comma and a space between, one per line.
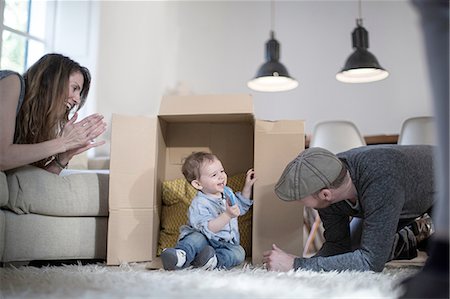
232, 211
250, 179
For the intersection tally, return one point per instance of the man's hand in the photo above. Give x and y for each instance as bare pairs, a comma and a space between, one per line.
278, 260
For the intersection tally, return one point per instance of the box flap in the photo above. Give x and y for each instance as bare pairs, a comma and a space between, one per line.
196, 107
275, 221
134, 201
132, 166
280, 126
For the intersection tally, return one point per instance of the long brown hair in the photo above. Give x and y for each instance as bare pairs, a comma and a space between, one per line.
43, 113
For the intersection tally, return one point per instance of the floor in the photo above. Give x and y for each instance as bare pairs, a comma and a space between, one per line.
419, 261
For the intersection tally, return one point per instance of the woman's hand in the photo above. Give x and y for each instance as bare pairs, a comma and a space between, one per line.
79, 136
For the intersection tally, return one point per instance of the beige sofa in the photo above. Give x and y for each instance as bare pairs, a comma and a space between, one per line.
44, 216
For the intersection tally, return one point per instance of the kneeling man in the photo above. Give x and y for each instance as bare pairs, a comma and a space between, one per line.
389, 187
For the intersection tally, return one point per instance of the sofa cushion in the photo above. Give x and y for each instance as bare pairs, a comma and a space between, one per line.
35, 190
177, 196
2, 233
3, 189
37, 237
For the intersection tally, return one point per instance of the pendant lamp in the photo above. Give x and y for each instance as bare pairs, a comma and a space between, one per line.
361, 66
272, 75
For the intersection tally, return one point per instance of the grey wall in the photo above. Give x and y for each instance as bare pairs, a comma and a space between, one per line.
150, 48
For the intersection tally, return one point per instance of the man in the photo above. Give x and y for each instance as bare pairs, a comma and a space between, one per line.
387, 186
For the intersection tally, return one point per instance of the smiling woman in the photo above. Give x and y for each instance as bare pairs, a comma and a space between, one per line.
36, 128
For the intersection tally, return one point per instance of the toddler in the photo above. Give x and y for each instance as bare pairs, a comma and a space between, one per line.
211, 238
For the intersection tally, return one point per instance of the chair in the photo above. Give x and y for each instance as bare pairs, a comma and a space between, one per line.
418, 130
336, 136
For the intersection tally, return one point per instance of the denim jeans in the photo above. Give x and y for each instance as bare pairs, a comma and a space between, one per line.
228, 255
192, 244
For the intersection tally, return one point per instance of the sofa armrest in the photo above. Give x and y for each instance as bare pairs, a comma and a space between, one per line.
4, 194
73, 193
98, 163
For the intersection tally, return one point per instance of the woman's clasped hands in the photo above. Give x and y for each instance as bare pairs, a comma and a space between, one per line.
78, 137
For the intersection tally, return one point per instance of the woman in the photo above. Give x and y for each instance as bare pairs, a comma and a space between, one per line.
34, 115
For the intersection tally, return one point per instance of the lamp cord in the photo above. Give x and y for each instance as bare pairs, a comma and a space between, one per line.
272, 15
359, 9
359, 20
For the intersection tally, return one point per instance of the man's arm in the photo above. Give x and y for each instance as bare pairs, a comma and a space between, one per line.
336, 230
382, 212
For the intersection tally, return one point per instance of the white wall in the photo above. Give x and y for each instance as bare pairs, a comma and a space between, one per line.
147, 48
75, 34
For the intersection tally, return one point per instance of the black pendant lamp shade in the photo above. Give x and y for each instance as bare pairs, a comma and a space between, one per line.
272, 75
361, 66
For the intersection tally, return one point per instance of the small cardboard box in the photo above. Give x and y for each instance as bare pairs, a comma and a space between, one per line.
145, 151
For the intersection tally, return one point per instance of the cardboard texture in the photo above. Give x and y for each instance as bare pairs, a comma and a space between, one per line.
275, 221
133, 204
145, 151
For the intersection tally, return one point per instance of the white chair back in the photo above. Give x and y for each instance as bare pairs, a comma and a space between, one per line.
336, 136
418, 130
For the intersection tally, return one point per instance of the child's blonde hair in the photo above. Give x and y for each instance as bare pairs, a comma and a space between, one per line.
193, 163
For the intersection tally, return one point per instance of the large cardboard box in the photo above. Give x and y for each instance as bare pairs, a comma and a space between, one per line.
145, 151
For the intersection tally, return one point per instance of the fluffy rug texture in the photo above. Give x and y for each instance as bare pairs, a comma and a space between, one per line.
134, 281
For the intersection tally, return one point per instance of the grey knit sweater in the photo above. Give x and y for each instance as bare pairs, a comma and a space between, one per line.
393, 182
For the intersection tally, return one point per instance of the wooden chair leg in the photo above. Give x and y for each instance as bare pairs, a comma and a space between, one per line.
312, 235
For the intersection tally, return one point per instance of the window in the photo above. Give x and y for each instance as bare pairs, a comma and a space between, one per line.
24, 32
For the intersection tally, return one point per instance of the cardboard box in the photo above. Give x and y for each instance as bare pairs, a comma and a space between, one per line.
145, 151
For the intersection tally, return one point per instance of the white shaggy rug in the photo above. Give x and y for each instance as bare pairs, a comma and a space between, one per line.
134, 281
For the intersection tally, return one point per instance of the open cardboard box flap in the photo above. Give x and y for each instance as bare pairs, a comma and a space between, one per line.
145, 151
174, 107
